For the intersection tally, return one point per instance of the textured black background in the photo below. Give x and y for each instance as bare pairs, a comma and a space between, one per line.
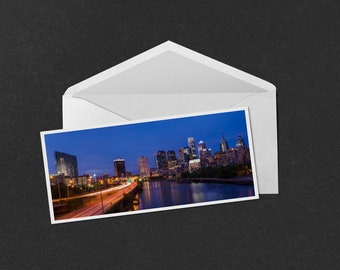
48, 46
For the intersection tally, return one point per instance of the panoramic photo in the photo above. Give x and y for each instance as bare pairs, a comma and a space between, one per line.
149, 166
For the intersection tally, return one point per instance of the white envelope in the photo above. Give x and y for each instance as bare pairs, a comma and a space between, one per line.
171, 80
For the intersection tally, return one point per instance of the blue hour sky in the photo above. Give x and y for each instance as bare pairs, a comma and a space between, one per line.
96, 149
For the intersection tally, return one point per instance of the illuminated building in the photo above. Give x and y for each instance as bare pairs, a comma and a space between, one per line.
243, 154
83, 180
223, 145
172, 160
191, 144
239, 142
181, 158
119, 167
66, 164
187, 154
200, 147
194, 164
232, 156
144, 166
161, 162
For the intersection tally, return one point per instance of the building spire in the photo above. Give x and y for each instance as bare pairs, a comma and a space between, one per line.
240, 141
223, 144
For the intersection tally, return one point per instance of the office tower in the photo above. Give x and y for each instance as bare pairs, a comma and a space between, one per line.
119, 167
200, 147
161, 162
239, 142
205, 153
172, 160
232, 156
223, 145
243, 154
191, 144
144, 166
66, 164
181, 159
187, 154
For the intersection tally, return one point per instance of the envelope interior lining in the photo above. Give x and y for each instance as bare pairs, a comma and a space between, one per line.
168, 73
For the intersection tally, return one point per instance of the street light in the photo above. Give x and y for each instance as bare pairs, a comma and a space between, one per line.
69, 184
101, 197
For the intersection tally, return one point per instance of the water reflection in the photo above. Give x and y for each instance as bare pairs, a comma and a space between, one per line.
164, 193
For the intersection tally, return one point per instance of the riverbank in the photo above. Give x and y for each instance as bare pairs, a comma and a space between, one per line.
237, 180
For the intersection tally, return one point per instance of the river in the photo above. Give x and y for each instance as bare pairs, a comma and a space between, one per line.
166, 193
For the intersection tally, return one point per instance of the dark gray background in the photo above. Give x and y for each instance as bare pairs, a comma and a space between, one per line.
47, 46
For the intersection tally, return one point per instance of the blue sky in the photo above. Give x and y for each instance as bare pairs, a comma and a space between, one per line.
97, 148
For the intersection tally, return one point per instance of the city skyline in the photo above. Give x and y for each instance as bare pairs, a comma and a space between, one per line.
96, 149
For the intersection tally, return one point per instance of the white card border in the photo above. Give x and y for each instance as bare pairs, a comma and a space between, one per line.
252, 158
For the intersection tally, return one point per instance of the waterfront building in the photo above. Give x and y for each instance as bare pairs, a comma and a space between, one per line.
204, 156
144, 166
194, 164
119, 167
223, 159
172, 160
232, 156
211, 161
223, 145
217, 155
66, 164
191, 144
154, 172
161, 162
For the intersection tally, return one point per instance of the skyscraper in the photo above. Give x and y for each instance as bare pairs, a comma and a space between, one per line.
181, 158
243, 154
144, 166
240, 141
187, 153
119, 167
223, 145
161, 162
191, 144
200, 147
66, 164
172, 160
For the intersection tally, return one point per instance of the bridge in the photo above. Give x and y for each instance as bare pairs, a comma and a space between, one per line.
99, 202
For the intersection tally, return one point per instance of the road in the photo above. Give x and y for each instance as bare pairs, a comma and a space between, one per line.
100, 206
92, 193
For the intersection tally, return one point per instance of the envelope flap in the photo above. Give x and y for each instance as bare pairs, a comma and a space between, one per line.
169, 72
142, 106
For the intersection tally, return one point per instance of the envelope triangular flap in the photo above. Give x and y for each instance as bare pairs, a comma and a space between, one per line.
170, 78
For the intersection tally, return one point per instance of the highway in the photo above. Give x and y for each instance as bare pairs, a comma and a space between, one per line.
100, 206
93, 193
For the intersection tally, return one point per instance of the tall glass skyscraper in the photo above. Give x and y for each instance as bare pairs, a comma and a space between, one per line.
191, 144
201, 146
172, 160
223, 145
119, 167
144, 166
66, 164
161, 162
